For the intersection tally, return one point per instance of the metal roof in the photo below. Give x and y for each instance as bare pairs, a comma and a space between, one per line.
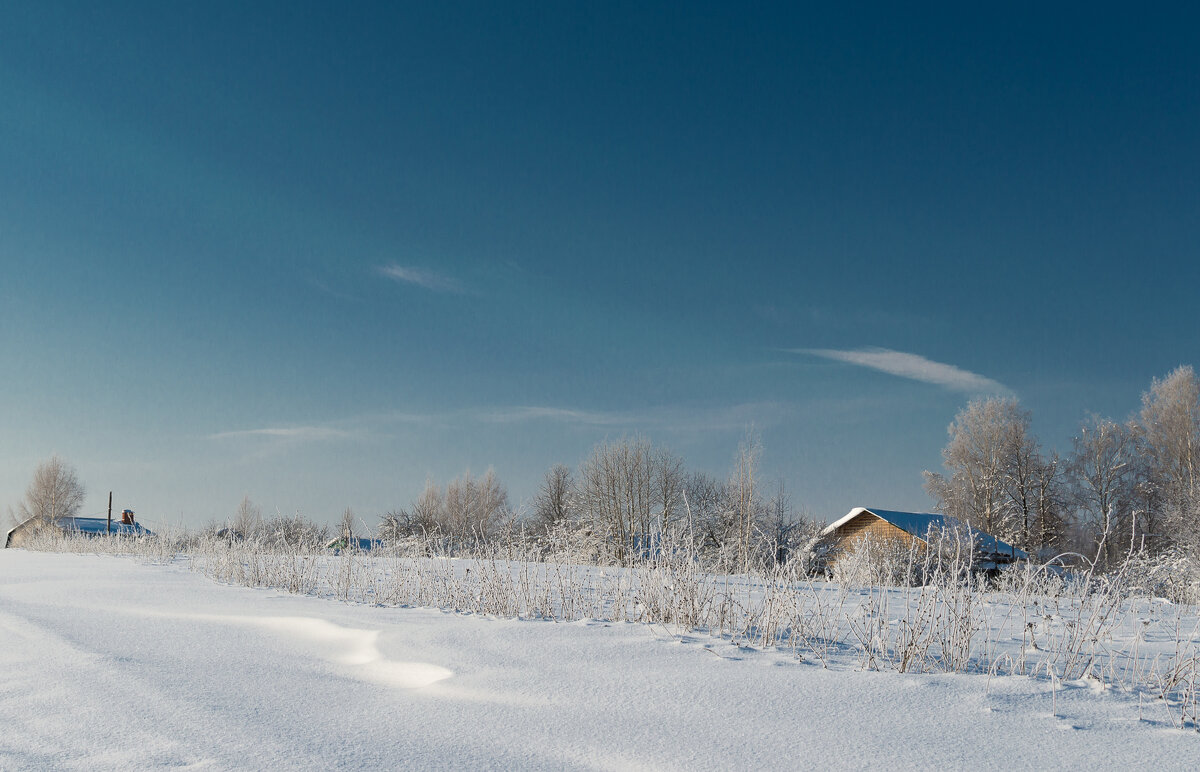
93, 526
919, 524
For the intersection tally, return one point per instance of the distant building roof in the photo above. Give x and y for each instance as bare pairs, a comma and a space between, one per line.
362, 545
919, 524
94, 526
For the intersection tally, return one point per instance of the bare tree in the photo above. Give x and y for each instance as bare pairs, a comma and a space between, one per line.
247, 521
787, 534
427, 511
706, 498
1169, 429
54, 493
1050, 500
743, 497
555, 499
473, 509
295, 532
616, 483
393, 526
346, 526
1102, 466
628, 490
669, 481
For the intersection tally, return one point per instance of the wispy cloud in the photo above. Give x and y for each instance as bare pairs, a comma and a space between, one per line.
422, 277
296, 433
509, 415
666, 417
912, 366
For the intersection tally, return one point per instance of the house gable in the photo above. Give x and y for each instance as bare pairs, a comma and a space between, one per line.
867, 524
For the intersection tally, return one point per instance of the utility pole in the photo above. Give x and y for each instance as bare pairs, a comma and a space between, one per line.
109, 528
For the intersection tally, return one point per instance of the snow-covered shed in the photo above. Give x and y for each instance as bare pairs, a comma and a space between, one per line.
86, 526
905, 528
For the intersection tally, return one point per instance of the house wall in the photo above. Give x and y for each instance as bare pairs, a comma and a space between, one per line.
21, 535
877, 528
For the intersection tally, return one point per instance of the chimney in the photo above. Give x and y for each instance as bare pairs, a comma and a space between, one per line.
127, 517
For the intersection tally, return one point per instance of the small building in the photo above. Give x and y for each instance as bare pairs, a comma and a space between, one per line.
21, 533
357, 544
85, 526
906, 528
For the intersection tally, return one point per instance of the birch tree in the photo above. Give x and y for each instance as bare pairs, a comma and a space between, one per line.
247, 521
628, 490
743, 497
989, 441
1102, 470
1169, 428
55, 492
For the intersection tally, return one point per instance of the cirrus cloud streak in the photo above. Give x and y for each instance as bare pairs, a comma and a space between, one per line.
297, 433
913, 367
422, 277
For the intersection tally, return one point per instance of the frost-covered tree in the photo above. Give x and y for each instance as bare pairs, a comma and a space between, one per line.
1050, 506
423, 518
1169, 431
999, 481
1033, 487
617, 484
555, 501
704, 496
629, 489
54, 492
670, 479
785, 534
247, 520
743, 497
470, 511
425, 515
1102, 469
473, 509
295, 532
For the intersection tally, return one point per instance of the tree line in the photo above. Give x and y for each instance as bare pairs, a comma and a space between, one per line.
1124, 487
617, 506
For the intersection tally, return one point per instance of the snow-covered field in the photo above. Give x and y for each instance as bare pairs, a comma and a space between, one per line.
108, 663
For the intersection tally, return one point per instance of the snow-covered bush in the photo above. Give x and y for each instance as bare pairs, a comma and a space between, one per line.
576, 543
1173, 574
1025, 579
297, 531
872, 561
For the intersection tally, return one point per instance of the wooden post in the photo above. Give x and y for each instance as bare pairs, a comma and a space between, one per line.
109, 528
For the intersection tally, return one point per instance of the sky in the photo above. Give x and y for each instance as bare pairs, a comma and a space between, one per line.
317, 255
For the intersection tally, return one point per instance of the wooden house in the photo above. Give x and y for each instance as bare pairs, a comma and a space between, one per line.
906, 529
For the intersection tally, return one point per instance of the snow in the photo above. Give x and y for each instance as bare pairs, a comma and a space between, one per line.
113, 664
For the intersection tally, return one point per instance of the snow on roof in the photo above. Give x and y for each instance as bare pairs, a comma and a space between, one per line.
99, 525
920, 523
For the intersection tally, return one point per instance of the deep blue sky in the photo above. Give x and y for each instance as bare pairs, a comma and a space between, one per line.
316, 255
